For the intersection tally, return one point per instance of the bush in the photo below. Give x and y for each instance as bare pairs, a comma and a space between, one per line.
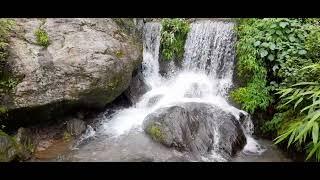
269, 53
173, 36
42, 37
279, 58
254, 95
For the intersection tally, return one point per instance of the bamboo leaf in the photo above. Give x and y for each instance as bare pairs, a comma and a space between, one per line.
283, 136
305, 83
315, 133
315, 116
297, 103
291, 138
286, 91
311, 66
314, 149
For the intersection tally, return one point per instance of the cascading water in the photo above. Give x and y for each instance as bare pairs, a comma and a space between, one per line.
151, 46
206, 77
210, 49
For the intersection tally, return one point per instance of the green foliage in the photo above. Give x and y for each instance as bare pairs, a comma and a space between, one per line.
5, 28
251, 68
270, 52
42, 37
3, 109
275, 123
173, 36
305, 98
254, 95
280, 57
8, 83
312, 42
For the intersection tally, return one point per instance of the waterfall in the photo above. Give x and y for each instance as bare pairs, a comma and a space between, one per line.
151, 44
206, 76
209, 48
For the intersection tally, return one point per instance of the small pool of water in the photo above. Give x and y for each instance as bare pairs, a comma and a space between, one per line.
271, 153
138, 147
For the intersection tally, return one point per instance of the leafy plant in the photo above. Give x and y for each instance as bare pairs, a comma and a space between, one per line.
271, 50
250, 67
8, 83
254, 95
173, 36
305, 97
278, 60
42, 37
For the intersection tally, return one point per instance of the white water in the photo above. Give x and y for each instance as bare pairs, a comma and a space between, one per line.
206, 76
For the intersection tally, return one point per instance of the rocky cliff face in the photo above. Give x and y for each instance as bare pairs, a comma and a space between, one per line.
88, 62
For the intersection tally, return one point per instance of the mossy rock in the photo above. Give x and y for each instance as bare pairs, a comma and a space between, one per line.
19, 147
25, 142
9, 150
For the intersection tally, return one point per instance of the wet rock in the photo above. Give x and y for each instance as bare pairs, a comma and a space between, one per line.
8, 148
76, 127
19, 147
152, 101
197, 128
137, 87
25, 140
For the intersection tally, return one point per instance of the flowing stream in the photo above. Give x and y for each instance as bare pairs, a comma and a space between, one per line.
205, 75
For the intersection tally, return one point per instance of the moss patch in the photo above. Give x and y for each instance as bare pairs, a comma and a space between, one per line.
156, 133
119, 54
67, 136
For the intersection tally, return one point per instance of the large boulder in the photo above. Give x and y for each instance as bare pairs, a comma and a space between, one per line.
88, 62
197, 128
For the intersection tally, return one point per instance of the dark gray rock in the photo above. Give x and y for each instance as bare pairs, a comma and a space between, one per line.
76, 127
136, 88
197, 128
152, 101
